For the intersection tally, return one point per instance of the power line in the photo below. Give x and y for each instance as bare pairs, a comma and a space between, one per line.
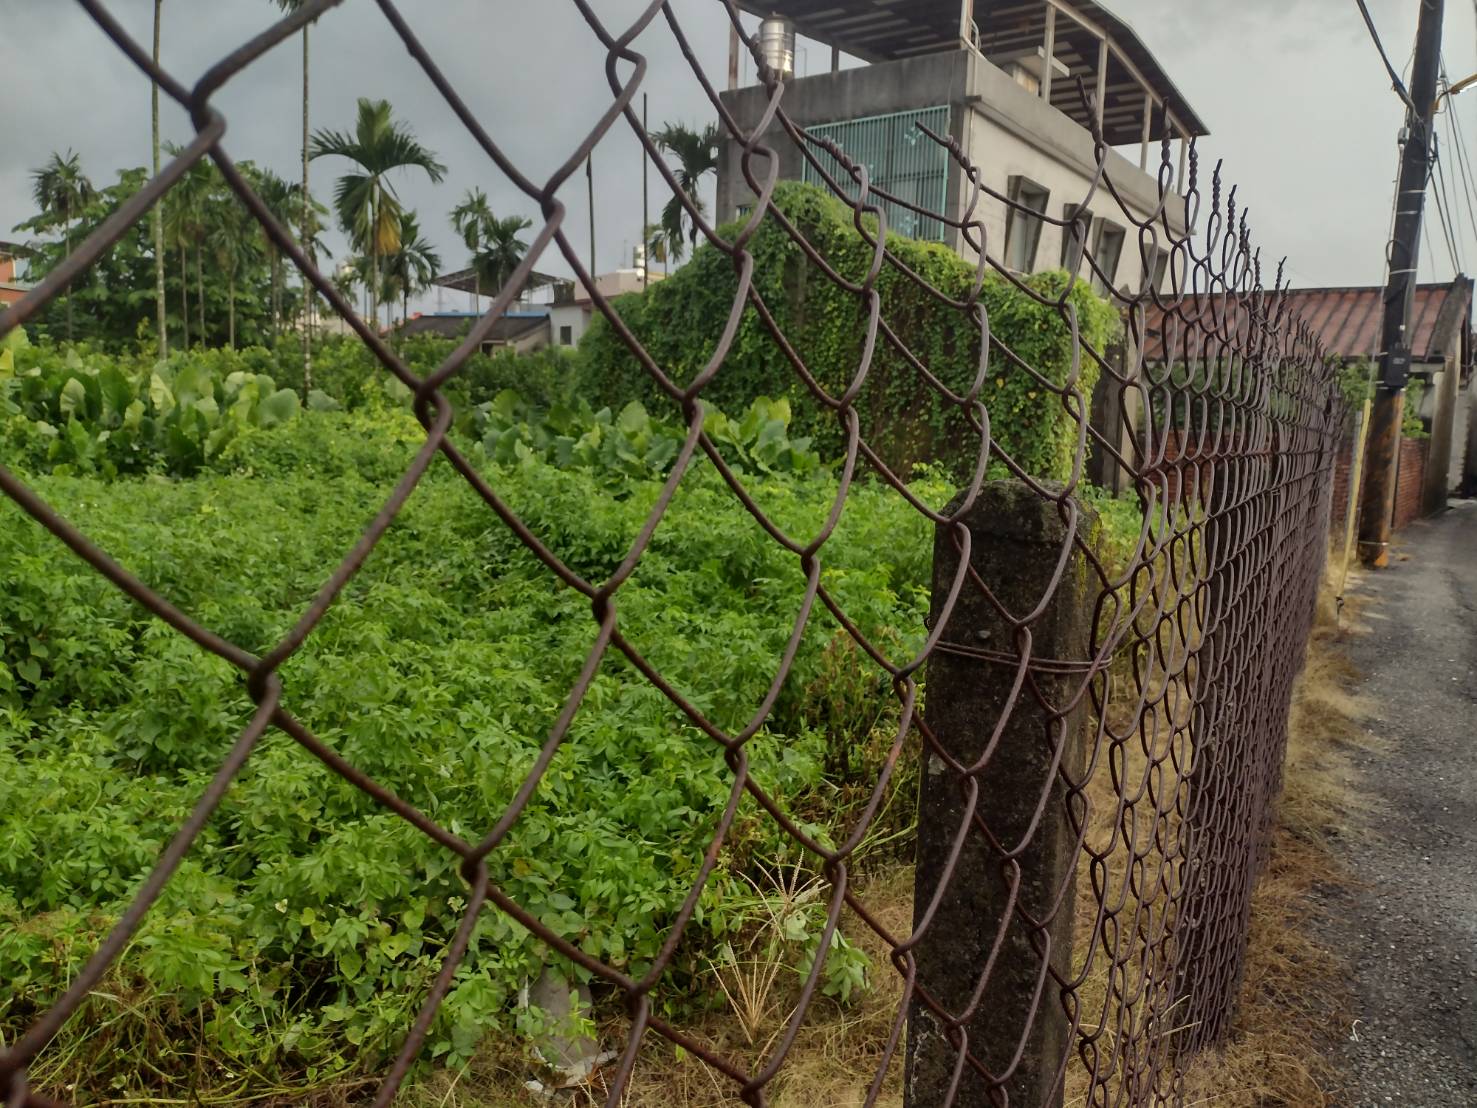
1443, 212
1395, 82
1463, 161
1436, 179
1458, 176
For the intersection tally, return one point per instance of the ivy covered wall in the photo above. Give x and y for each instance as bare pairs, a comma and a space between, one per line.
903, 418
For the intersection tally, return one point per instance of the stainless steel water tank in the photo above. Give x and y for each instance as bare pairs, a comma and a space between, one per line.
777, 45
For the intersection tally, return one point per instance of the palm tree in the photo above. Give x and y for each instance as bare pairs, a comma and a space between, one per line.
307, 233
412, 268
186, 222
469, 219
365, 201
280, 198
160, 308
234, 241
501, 253
697, 156
61, 190
658, 249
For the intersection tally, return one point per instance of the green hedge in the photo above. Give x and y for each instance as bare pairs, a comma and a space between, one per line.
679, 319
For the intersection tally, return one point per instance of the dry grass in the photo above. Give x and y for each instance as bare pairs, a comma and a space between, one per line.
1293, 1003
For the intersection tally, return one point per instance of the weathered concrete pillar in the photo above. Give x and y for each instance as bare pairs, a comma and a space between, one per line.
1007, 904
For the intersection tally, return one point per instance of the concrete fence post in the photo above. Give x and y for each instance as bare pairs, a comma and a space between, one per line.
982, 920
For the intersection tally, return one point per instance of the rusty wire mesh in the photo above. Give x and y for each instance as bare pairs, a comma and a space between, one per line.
1178, 698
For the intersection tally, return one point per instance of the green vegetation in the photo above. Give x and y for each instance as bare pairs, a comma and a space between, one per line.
293, 947
76, 413
902, 417
307, 922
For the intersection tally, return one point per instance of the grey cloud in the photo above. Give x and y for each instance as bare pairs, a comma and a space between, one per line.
1291, 89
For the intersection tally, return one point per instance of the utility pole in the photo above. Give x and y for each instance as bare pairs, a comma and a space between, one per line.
1383, 448
645, 201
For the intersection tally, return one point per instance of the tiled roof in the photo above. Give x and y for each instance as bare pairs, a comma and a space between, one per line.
1347, 320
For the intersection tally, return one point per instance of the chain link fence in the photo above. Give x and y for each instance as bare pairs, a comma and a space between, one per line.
1097, 738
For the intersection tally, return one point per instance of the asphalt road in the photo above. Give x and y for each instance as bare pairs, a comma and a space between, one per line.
1408, 927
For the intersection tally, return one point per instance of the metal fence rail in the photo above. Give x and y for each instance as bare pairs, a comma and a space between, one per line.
1159, 730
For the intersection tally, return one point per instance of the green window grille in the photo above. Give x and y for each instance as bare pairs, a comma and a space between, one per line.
900, 159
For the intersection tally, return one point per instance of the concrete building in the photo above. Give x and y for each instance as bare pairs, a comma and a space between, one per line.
1000, 77
11, 287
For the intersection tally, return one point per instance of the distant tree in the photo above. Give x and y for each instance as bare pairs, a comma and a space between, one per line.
280, 198
412, 268
61, 190
234, 238
186, 210
365, 201
470, 219
697, 156
307, 235
212, 282
161, 308
502, 251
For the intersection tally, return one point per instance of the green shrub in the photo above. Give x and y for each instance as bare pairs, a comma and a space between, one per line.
902, 418
80, 411
1411, 424
345, 369
633, 444
298, 938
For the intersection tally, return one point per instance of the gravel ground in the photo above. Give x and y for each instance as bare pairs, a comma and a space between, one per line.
1408, 927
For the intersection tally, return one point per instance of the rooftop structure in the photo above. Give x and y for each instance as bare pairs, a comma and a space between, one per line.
1083, 38
1004, 80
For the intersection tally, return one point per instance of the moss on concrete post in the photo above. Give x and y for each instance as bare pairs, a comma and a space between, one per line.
1007, 904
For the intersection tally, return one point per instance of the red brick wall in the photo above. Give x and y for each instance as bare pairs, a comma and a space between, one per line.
1180, 476
1411, 484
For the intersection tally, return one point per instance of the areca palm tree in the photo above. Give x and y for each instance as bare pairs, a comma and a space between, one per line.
186, 222
469, 219
61, 190
307, 234
501, 252
233, 238
411, 268
697, 156
280, 197
157, 215
365, 200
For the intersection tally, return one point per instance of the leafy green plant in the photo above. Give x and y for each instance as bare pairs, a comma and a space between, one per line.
76, 411
632, 444
300, 935
1411, 424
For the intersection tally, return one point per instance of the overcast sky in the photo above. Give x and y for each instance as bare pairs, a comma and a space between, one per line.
1292, 91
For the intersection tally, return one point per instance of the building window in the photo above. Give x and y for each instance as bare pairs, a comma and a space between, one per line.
1107, 251
1074, 236
900, 160
1022, 229
566, 335
1160, 270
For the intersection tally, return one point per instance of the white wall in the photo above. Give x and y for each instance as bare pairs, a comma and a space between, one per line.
574, 316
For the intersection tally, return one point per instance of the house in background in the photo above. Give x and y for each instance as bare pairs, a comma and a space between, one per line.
1001, 78
1348, 322
553, 311
11, 288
